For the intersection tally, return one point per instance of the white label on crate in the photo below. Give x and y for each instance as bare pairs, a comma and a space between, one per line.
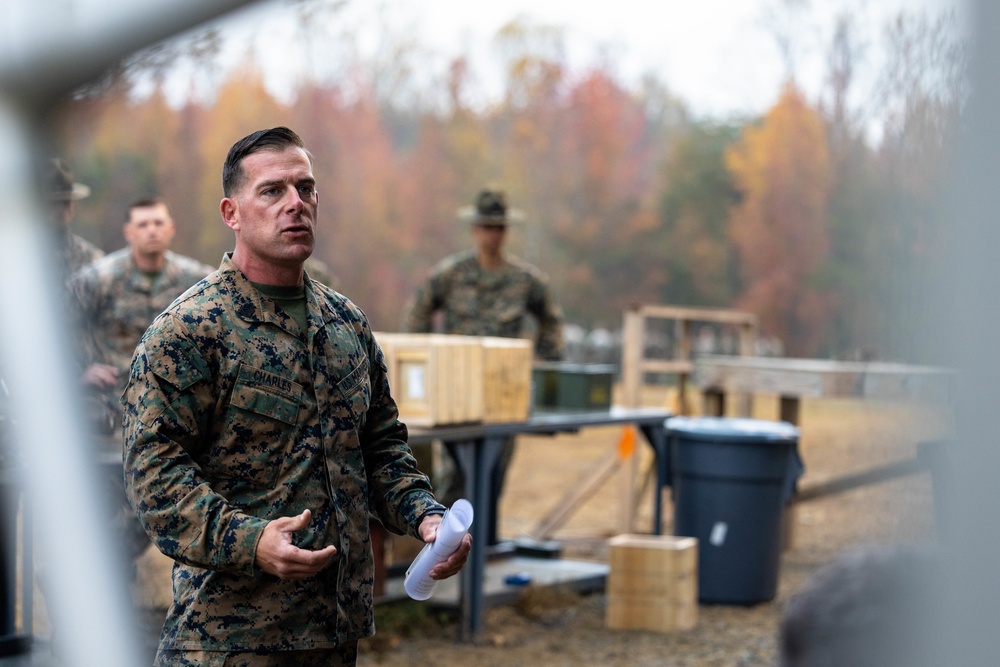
718, 536
415, 382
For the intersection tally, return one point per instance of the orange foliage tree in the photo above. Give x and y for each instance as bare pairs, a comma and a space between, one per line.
780, 228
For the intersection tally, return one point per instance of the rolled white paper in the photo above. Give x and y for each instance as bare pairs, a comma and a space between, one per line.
454, 525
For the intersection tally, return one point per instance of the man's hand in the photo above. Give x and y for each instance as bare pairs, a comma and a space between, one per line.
277, 555
450, 567
101, 376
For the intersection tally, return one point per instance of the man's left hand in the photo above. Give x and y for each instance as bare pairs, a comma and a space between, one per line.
449, 567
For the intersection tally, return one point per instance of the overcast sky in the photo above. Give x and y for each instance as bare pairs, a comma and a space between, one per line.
719, 56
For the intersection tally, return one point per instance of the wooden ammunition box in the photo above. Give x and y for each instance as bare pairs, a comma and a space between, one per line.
652, 583
568, 387
436, 379
440, 379
506, 379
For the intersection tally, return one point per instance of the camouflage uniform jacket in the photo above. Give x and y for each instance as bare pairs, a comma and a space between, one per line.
76, 252
117, 302
233, 418
478, 302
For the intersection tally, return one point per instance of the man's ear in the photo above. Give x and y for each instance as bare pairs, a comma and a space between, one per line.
230, 213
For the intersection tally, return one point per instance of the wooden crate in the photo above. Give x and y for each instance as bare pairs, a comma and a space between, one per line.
436, 379
652, 583
506, 379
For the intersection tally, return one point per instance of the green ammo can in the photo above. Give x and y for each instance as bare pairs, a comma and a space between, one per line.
568, 387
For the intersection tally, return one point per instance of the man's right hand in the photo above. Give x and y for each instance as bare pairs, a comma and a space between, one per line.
102, 376
277, 554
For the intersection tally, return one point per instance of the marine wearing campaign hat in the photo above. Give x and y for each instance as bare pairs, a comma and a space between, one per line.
63, 192
486, 292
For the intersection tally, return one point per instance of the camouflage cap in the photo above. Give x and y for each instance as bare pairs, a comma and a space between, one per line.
59, 184
490, 209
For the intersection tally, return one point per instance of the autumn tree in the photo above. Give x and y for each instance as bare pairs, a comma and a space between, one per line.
780, 227
698, 256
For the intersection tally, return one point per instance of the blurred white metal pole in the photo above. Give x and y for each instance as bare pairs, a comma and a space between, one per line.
48, 48
970, 306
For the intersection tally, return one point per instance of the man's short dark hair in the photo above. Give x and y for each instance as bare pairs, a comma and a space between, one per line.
273, 139
143, 202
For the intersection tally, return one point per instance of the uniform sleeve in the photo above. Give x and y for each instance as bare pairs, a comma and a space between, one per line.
420, 310
85, 310
166, 408
549, 345
399, 494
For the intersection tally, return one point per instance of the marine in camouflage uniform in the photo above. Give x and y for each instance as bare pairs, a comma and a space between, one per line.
240, 412
116, 298
486, 292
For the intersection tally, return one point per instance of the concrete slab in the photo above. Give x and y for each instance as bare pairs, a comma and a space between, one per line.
582, 576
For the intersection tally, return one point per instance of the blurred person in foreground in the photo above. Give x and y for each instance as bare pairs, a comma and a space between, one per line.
878, 606
260, 433
487, 292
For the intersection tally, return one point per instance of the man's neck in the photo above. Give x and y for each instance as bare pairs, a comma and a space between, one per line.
266, 273
489, 262
149, 262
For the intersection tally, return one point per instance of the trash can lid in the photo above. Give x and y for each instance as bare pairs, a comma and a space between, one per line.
733, 429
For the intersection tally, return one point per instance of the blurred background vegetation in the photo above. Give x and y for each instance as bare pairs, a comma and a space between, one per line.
822, 215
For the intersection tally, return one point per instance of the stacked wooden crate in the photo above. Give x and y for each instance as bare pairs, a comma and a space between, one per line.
652, 583
440, 379
506, 379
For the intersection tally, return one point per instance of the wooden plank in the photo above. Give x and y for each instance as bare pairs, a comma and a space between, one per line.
564, 509
863, 478
815, 378
699, 314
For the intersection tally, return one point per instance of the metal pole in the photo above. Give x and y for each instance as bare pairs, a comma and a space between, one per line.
47, 49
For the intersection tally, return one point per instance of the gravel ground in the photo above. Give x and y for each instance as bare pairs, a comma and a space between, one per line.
556, 627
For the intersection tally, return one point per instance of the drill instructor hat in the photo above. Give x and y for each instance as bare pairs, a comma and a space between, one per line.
60, 185
490, 209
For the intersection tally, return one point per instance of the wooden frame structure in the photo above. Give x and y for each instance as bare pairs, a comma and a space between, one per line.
635, 364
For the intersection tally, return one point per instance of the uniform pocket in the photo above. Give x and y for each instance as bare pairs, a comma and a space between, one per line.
355, 390
260, 425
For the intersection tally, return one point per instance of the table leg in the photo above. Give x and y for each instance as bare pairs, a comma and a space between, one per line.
656, 436
477, 458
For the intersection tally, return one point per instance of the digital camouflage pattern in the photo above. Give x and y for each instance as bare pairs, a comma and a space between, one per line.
117, 302
76, 252
233, 416
476, 302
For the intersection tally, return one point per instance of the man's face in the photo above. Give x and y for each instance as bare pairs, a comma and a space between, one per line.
274, 213
489, 238
149, 229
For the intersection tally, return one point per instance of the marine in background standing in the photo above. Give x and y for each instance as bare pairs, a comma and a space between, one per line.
120, 294
487, 292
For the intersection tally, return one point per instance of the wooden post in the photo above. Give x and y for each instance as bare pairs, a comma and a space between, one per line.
633, 349
683, 354
632, 352
714, 402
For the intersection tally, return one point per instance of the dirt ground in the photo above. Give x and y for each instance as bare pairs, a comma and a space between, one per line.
554, 627
560, 627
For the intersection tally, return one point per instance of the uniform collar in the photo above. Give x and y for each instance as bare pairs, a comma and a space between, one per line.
250, 305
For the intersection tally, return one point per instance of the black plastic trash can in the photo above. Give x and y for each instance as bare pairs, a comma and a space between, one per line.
731, 479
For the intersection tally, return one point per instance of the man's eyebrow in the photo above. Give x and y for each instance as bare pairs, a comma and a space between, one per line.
280, 181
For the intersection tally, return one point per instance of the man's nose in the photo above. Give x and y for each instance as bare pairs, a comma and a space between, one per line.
295, 203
